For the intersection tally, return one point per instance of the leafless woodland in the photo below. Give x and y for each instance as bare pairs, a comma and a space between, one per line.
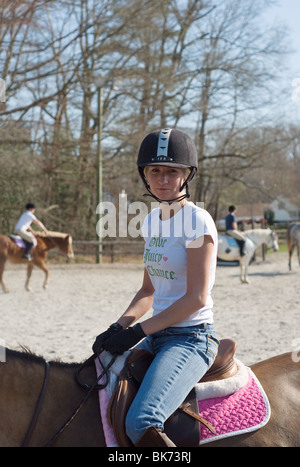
211, 68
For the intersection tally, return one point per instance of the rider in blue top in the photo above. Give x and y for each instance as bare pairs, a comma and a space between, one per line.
232, 230
230, 219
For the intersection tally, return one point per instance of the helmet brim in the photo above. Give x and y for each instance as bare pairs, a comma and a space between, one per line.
165, 164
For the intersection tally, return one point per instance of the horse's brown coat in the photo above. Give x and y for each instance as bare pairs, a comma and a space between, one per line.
21, 378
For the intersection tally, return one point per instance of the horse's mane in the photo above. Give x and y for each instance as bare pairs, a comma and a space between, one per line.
51, 234
257, 231
27, 355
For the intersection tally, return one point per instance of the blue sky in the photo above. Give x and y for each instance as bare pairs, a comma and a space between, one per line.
287, 13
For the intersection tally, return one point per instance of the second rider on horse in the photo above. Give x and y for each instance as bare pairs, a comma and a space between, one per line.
23, 228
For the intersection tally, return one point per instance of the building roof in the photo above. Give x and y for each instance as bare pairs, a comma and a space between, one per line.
251, 211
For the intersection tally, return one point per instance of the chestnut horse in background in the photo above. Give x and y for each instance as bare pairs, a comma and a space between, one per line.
9, 251
22, 376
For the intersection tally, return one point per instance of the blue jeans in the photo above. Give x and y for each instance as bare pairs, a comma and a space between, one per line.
182, 357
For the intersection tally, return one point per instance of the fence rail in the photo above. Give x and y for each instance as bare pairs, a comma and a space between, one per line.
132, 247
112, 249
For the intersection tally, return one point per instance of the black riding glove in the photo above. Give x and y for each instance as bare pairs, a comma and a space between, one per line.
124, 340
111, 331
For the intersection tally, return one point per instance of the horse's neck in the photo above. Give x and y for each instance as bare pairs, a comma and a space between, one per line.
21, 379
50, 242
19, 386
258, 236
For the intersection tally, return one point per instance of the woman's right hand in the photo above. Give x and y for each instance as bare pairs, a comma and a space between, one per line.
111, 331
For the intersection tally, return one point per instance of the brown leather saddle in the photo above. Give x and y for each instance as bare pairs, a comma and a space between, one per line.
186, 415
224, 365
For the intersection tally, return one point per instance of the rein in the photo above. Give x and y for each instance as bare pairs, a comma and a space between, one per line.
38, 406
90, 388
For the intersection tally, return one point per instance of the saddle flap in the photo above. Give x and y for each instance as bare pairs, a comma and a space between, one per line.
183, 426
136, 364
129, 381
128, 384
118, 406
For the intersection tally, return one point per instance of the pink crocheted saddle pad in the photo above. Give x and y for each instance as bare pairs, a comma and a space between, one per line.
246, 410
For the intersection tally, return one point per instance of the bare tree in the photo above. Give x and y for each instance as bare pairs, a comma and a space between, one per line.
235, 69
200, 65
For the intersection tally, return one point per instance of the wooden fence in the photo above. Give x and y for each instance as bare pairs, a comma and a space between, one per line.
111, 249
122, 248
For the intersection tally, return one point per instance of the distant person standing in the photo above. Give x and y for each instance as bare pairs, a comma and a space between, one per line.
232, 229
23, 228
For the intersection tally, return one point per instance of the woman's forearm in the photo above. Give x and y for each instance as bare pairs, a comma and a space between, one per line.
139, 306
178, 311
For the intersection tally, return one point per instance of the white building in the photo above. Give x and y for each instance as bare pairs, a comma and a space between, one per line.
284, 210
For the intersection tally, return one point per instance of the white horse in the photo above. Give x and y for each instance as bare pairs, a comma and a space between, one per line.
229, 250
293, 241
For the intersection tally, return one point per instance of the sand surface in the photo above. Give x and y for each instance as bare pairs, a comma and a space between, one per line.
83, 300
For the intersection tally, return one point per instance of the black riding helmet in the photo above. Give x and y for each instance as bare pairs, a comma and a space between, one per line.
168, 147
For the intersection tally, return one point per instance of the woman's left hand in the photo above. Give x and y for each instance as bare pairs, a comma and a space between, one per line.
124, 340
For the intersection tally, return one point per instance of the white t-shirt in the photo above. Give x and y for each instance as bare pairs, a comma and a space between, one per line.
25, 220
165, 257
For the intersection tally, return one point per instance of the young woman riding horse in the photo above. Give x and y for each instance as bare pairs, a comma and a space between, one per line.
180, 263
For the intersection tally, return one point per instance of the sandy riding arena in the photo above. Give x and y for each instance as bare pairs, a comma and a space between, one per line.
82, 300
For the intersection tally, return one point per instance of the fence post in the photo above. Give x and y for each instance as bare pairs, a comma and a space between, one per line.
112, 252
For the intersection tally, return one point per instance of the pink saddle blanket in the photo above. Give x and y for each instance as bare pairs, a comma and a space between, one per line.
244, 411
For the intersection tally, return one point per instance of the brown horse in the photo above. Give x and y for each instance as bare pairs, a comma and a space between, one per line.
9, 251
293, 240
22, 377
